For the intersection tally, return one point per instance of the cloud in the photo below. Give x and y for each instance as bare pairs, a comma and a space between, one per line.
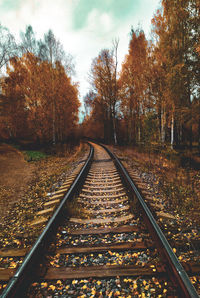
41, 14
101, 28
118, 9
99, 25
7, 5
84, 27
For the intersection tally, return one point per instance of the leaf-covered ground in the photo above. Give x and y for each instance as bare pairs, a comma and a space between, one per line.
15, 176
179, 186
23, 188
109, 287
177, 189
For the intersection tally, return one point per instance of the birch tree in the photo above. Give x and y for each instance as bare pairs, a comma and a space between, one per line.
8, 47
103, 80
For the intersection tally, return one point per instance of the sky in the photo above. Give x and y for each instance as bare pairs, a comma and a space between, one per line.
84, 27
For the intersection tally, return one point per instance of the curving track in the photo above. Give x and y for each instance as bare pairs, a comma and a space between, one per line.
105, 244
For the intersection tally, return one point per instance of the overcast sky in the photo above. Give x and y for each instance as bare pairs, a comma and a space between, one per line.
84, 27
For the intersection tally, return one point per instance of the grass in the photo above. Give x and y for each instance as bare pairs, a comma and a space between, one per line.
34, 155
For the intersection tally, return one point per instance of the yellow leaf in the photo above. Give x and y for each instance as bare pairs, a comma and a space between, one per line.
144, 282
12, 265
59, 282
44, 284
164, 291
52, 287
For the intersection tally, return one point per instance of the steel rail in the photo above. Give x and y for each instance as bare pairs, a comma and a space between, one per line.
19, 282
173, 266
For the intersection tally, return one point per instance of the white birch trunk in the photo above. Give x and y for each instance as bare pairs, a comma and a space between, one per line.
114, 130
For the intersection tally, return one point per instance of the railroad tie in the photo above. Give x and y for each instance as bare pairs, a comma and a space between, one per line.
104, 247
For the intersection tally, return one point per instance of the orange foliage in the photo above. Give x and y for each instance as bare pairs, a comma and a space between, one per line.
38, 97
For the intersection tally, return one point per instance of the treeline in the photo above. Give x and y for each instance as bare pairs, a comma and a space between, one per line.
38, 102
155, 97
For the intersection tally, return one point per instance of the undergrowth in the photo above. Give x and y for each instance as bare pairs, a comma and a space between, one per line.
34, 155
180, 186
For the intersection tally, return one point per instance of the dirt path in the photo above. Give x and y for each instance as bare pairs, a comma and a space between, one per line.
15, 176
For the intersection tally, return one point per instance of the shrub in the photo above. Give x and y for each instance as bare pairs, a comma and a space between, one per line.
34, 155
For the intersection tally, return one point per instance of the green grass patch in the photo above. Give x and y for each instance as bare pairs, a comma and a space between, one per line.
34, 155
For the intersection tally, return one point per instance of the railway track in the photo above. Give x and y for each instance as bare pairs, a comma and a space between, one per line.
102, 241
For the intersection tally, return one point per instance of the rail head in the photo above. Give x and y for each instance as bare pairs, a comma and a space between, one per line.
22, 277
174, 267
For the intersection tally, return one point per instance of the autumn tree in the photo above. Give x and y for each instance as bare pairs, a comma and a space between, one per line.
104, 82
48, 49
176, 27
133, 86
67, 103
29, 93
93, 124
88, 101
158, 76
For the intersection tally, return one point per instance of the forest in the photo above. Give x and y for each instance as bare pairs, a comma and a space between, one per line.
39, 101
155, 98
152, 98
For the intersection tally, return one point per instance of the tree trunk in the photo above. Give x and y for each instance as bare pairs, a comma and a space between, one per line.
130, 121
139, 127
172, 131
181, 133
114, 129
114, 132
191, 137
163, 121
139, 131
54, 128
115, 45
